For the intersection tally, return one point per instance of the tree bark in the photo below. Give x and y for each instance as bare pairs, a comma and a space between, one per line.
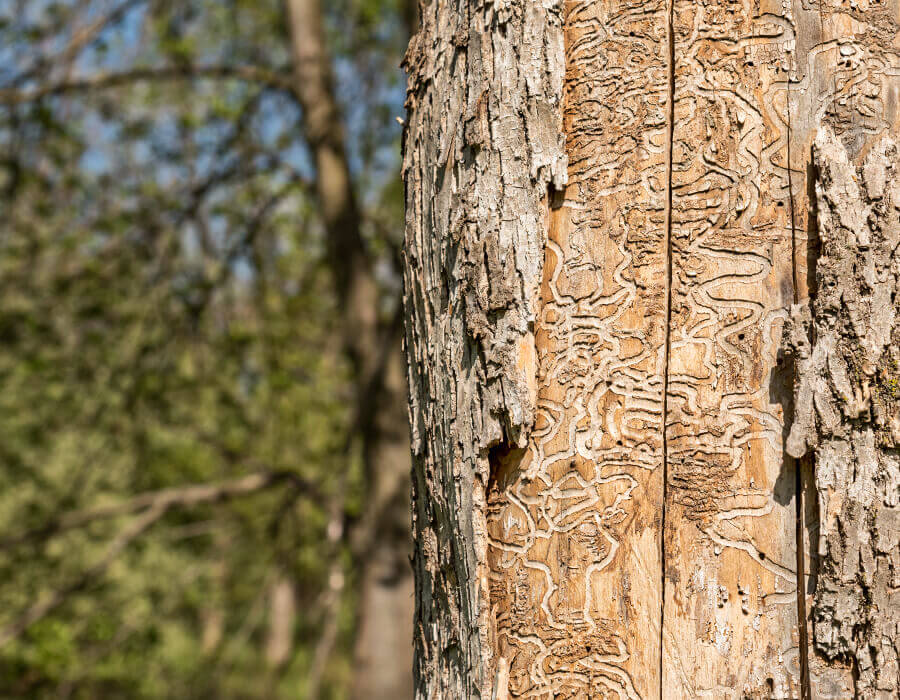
847, 345
609, 220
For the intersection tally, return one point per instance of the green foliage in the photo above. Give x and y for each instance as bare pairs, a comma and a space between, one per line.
166, 319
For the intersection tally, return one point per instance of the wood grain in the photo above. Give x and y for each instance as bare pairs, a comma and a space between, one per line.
574, 519
601, 394
731, 622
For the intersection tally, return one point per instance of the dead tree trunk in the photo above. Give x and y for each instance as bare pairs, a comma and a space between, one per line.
611, 214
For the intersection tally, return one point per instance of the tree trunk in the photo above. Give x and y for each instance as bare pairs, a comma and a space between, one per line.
381, 541
383, 654
611, 216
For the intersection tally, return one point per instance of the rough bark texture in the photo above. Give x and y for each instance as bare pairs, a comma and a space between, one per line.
847, 347
604, 506
843, 72
483, 145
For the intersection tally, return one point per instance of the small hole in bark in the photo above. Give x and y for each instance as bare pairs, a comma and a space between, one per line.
741, 336
781, 203
770, 684
619, 443
762, 555
504, 463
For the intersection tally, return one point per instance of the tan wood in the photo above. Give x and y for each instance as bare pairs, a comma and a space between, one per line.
574, 519
730, 611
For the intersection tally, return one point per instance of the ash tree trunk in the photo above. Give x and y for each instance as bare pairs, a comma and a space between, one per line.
652, 287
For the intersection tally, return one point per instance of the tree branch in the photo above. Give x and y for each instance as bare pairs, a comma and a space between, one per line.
85, 35
39, 610
166, 498
81, 38
268, 77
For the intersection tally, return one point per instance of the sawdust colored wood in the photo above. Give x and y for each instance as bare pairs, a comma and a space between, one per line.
574, 518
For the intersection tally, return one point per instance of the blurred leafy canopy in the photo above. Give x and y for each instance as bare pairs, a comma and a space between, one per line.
167, 319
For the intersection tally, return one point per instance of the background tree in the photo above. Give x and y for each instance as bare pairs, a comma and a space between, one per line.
199, 367
614, 212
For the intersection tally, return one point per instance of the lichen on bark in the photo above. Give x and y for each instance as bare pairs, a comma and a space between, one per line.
846, 348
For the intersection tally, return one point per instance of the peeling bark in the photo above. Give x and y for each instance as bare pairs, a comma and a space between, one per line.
604, 505
847, 397
483, 144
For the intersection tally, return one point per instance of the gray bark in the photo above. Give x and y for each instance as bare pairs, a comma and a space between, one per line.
482, 146
847, 397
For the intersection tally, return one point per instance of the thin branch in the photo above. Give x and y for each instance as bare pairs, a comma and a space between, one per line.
81, 38
85, 35
166, 498
268, 77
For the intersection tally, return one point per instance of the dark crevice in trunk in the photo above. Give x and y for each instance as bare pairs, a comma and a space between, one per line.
799, 506
670, 33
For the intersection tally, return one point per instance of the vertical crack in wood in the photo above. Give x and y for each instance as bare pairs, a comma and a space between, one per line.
670, 34
805, 690
731, 604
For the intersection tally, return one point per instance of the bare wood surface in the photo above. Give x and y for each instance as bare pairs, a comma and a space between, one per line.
574, 519
731, 622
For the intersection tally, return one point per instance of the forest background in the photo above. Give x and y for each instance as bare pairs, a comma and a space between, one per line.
203, 442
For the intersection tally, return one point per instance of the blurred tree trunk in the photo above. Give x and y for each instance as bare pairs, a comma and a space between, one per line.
381, 540
611, 216
384, 635
282, 618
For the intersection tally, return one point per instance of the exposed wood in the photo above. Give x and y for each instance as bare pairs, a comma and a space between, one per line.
647, 532
574, 519
731, 620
